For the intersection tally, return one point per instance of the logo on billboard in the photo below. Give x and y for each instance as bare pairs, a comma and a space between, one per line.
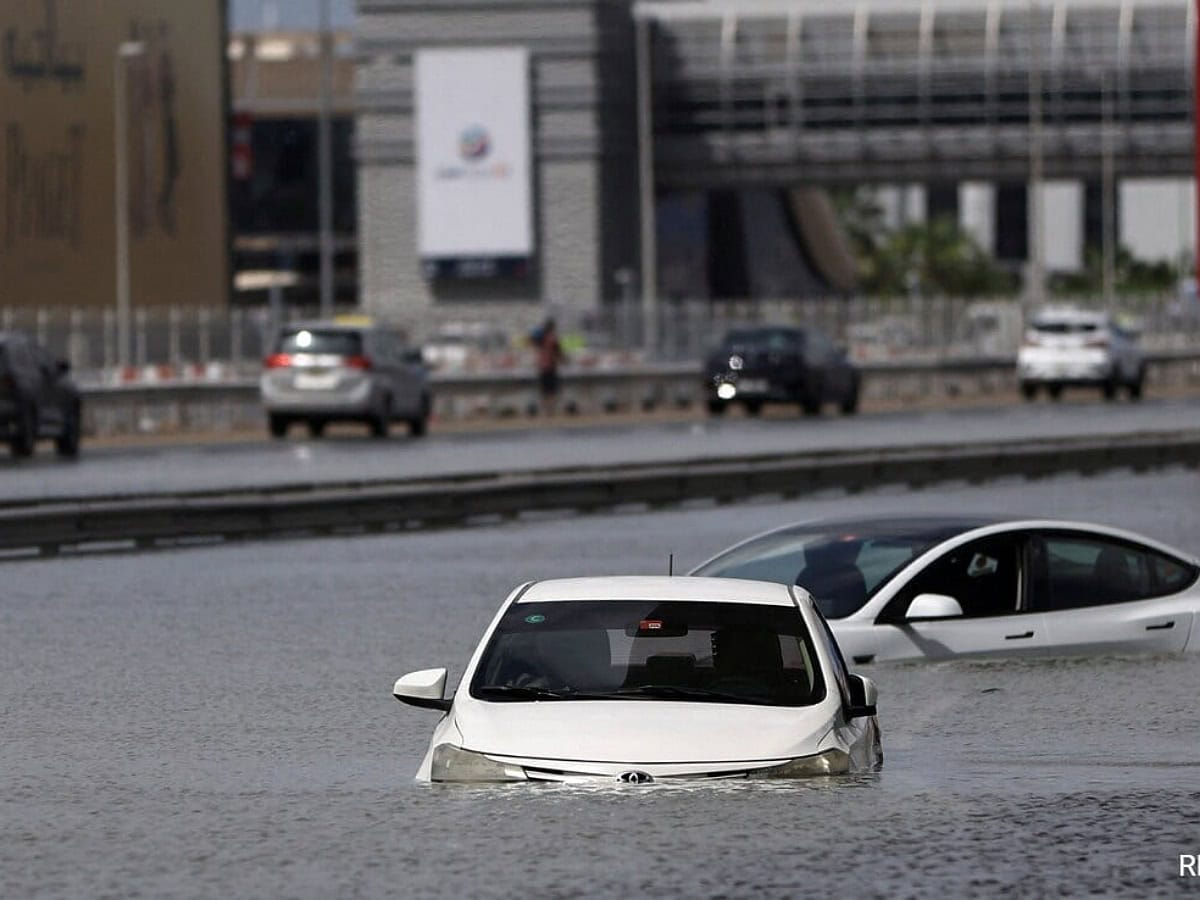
474, 144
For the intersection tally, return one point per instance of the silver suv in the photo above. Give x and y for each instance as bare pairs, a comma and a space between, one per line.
1067, 347
321, 372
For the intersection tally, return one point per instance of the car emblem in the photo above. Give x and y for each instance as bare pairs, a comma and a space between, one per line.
635, 778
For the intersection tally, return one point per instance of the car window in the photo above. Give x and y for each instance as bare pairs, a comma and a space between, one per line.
840, 568
764, 339
1068, 326
981, 575
841, 674
1068, 571
314, 340
634, 649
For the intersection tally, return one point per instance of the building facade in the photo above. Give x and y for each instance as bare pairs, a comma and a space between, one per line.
583, 156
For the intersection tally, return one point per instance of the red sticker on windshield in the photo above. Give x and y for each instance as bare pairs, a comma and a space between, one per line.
650, 625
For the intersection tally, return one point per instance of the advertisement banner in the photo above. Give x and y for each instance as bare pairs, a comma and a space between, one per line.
474, 198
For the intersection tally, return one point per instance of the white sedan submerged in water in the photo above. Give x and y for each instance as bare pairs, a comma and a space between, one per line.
937, 587
646, 679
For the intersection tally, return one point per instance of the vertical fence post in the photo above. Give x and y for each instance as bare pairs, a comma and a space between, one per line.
237, 321
205, 338
108, 325
140, 337
174, 349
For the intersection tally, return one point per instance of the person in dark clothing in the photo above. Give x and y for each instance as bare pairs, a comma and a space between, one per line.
549, 357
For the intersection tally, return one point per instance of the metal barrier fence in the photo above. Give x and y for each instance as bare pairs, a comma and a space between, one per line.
170, 343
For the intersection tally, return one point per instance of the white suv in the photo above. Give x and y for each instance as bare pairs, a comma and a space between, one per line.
1071, 347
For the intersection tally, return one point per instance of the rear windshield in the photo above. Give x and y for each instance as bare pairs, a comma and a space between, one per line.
1067, 327
651, 650
762, 339
306, 340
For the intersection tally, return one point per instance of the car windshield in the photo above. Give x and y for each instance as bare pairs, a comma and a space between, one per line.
650, 650
1057, 326
311, 340
842, 567
761, 339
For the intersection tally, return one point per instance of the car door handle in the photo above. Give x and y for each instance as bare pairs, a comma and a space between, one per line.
1018, 637
1163, 627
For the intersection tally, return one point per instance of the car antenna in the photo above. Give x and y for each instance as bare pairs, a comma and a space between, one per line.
670, 563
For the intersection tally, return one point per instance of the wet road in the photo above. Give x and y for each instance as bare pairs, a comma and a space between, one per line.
218, 722
136, 470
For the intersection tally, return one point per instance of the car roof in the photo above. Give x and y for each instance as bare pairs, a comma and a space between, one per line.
901, 522
947, 527
659, 587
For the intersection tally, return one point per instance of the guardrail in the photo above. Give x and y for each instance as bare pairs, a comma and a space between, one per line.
227, 405
145, 521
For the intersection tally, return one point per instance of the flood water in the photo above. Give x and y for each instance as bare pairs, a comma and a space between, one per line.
218, 722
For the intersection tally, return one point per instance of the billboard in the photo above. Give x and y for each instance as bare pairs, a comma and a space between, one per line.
58, 143
474, 197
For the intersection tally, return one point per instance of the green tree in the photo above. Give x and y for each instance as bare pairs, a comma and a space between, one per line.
937, 259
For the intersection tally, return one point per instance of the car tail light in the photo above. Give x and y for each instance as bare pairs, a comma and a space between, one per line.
358, 362
1032, 339
1101, 341
278, 361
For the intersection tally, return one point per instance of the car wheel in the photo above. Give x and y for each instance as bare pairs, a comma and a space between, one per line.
24, 435
716, 407
810, 400
379, 422
316, 427
278, 425
418, 426
1137, 385
67, 442
1055, 391
1028, 390
850, 402
754, 407
1109, 389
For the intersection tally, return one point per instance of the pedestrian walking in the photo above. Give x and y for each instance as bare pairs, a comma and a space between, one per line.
549, 357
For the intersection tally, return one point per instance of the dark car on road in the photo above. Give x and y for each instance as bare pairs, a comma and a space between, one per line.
38, 399
780, 364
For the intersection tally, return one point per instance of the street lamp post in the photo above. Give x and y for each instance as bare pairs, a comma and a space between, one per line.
325, 160
1036, 198
125, 51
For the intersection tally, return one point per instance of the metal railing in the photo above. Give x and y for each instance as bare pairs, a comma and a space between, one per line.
173, 343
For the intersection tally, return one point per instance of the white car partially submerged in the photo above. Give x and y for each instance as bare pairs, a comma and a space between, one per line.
648, 679
939, 587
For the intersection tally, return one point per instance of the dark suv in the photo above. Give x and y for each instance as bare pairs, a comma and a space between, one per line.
37, 397
780, 364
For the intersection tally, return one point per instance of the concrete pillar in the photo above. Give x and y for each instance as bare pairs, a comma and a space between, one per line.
977, 212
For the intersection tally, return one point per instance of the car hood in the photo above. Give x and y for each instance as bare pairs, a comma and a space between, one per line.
643, 731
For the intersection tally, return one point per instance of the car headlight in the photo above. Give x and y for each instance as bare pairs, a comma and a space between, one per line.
831, 762
452, 763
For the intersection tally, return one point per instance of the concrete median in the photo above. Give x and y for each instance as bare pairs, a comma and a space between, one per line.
129, 522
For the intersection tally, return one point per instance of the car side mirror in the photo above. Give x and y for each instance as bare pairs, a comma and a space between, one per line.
932, 606
426, 689
863, 697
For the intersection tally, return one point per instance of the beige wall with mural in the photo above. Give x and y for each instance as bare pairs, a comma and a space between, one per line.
57, 192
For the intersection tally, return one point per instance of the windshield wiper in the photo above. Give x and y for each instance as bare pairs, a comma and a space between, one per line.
525, 692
